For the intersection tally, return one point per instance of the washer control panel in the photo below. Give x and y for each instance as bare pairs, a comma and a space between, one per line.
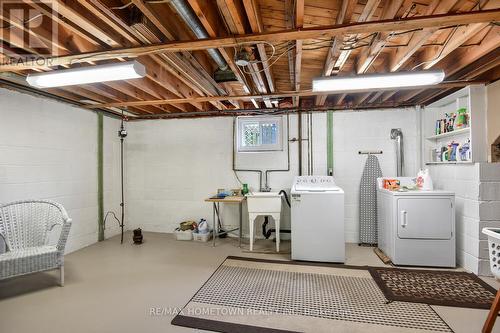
315, 183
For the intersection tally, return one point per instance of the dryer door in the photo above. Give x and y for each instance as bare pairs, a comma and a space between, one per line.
425, 218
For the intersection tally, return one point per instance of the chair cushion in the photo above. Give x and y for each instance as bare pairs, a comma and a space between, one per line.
29, 260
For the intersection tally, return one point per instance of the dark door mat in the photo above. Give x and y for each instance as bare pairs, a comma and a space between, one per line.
433, 287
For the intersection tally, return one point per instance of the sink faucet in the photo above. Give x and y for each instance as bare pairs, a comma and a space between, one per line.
265, 189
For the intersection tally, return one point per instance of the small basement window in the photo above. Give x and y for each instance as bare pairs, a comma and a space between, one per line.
259, 134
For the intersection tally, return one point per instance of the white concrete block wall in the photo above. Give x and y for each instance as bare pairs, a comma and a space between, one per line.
477, 199
173, 165
111, 174
48, 150
369, 130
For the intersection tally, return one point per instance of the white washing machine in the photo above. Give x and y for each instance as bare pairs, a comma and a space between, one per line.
416, 228
317, 219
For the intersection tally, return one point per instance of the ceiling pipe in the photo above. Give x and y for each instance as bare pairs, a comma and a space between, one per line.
271, 111
192, 21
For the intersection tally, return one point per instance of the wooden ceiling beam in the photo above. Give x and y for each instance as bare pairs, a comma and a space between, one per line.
419, 38
341, 99
343, 17
479, 69
178, 66
305, 93
209, 18
412, 23
72, 95
375, 96
76, 88
473, 70
76, 34
461, 61
387, 95
337, 57
35, 30
366, 15
198, 76
368, 55
124, 90
231, 10
73, 11
299, 24
16, 40
458, 36
157, 21
118, 95
361, 98
289, 13
157, 73
407, 95
432, 55
90, 95
255, 20
131, 37
101, 11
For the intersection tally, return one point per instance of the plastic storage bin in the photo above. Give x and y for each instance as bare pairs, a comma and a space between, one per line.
198, 237
186, 235
493, 249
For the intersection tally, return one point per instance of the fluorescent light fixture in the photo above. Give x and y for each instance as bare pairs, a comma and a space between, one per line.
99, 73
377, 81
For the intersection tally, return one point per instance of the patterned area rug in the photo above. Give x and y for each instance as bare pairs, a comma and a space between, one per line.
447, 288
252, 295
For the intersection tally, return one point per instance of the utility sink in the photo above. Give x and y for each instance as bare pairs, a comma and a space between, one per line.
264, 202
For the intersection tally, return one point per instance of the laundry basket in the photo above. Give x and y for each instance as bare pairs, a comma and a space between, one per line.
493, 249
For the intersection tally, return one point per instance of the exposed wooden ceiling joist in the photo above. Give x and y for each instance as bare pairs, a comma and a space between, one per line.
412, 23
207, 13
290, 42
419, 38
369, 54
299, 24
337, 55
275, 95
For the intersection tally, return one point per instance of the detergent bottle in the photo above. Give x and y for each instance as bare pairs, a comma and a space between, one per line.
203, 227
427, 184
424, 180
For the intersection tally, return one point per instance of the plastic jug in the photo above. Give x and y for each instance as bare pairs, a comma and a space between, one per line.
424, 180
203, 227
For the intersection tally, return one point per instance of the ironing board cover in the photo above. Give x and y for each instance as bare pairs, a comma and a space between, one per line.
368, 201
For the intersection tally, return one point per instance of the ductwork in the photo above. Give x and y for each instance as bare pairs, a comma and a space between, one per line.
397, 134
190, 18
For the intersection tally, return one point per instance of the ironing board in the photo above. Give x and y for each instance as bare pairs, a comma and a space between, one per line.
368, 201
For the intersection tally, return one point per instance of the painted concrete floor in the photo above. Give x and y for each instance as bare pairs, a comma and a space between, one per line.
113, 288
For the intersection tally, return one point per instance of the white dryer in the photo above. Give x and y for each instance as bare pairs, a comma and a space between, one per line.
417, 228
317, 219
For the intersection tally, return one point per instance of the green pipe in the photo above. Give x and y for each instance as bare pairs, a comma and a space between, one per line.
329, 142
100, 177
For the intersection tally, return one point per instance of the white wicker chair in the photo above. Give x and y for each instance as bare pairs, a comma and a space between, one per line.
25, 226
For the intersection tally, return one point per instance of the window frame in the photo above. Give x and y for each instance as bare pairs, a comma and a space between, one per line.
242, 120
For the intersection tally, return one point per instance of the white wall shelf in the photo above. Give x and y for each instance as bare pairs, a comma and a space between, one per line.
449, 162
473, 99
457, 132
